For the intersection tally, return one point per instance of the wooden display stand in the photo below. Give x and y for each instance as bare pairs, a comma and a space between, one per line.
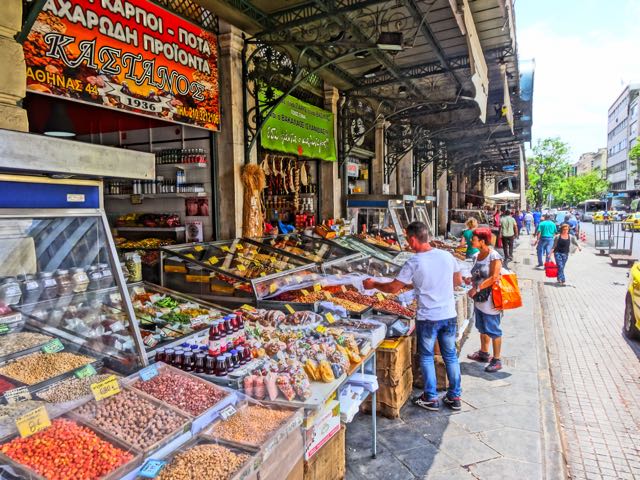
329, 463
395, 377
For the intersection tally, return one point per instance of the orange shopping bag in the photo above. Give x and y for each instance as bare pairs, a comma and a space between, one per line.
506, 293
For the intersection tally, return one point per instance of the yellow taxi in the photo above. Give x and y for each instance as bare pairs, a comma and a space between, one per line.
632, 309
632, 222
598, 217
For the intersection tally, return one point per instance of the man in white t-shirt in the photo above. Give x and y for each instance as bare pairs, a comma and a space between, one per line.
434, 274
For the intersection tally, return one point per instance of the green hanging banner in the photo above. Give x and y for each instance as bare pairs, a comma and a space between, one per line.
299, 128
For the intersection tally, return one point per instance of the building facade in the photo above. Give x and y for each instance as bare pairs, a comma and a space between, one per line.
591, 161
622, 134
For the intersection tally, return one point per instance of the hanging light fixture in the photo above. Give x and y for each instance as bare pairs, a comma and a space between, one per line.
59, 123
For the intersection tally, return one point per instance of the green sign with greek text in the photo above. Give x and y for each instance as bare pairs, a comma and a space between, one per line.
299, 128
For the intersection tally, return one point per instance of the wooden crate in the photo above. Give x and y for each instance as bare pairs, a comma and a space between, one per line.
330, 461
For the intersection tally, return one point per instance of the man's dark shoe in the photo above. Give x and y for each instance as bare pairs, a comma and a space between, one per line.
494, 365
423, 402
453, 403
479, 356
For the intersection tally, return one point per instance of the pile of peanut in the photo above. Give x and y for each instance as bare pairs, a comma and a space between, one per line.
251, 425
203, 461
38, 367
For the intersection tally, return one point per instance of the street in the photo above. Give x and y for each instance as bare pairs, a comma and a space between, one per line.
564, 406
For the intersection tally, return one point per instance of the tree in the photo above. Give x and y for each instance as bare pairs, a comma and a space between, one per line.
634, 157
550, 153
574, 190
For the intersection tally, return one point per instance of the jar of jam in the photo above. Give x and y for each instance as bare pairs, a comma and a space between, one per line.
222, 329
49, 285
210, 365
10, 292
199, 363
160, 355
107, 276
221, 366
235, 358
188, 361
80, 280
241, 355
168, 355
31, 288
64, 282
178, 358
214, 334
229, 362
95, 277
228, 326
240, 320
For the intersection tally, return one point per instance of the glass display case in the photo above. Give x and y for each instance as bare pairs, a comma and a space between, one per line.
380, 221
357, 243
223, 271
308, 249
61, 278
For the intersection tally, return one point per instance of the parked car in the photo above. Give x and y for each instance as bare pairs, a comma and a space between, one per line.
613, 215
631, 325
560, 216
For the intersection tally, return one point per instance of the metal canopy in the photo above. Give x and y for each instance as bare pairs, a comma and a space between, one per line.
425, 88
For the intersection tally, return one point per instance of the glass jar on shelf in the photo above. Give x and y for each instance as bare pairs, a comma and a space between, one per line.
64, 282
80, 280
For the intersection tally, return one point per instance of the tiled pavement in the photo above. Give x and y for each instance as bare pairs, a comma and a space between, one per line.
596, 371
506, 430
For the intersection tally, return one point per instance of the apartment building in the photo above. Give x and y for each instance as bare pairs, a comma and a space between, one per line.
622, 134
590, 161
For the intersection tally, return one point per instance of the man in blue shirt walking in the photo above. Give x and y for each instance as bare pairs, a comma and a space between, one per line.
536, 218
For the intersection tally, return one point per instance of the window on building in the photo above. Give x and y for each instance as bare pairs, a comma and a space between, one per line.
619, 185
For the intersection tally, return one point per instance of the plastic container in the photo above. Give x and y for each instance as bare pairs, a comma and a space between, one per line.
133, 262
64, 282
49, 285
80, 280
31, 288
10, 292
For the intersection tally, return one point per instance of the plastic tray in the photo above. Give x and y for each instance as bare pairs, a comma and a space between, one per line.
116, 474
26, 351
200, 421
184, 427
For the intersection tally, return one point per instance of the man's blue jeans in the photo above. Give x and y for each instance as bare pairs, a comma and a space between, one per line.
544, 245
445, 331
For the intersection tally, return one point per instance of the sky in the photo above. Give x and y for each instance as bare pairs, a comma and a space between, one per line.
585, 52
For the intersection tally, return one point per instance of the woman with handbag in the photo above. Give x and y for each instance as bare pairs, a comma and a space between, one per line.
563, 244
484, 274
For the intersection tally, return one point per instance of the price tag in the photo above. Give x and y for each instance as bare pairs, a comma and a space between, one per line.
248, 308
239, 246
241, 267
106, 388
380, 296
85, 371
198, 248
305, 292
213, 260
317, 287
343, 288
321, 329
190, 255
53, 346
224, 248
4, 329
148, 373
327, 295
262, 274
16, 395
272, 259
151, 468
289, 308
33, 421
227, 412
272, 288
329, 317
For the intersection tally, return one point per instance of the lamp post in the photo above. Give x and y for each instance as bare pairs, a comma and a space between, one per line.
541, 170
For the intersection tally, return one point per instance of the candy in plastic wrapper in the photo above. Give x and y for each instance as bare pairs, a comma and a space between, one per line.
284, 384
272, 388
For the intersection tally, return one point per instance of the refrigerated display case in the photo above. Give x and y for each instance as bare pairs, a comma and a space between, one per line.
379, 220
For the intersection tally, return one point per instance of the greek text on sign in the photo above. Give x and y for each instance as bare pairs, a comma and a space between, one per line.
106, 388
131, 55
33, 421
19, 394
228, 412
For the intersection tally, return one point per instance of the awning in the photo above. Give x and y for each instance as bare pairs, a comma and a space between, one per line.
506, 195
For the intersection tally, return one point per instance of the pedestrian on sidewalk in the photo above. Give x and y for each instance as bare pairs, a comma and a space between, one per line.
528, 222
508, 232
563, 244
544, 241
484, 274
434, 273
467, 235
537, 215
519, 221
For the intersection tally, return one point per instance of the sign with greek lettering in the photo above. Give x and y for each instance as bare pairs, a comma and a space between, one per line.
297, 127
125, 54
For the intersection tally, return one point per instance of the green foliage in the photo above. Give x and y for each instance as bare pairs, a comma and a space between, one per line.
550, 153
634, 156
574, 190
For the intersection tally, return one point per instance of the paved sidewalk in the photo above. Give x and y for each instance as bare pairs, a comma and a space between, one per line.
596, 372
506, 430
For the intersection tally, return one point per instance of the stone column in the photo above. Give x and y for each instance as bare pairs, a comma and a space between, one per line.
427, 180
443, 204
13, 74
231, 137
523, 180
377, 164
462, 188
404, 175
455, 184
331, 186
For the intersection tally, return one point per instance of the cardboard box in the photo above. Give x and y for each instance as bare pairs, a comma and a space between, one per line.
297, 472
393, 359
330, 461
441, 373
327, 424
284, 459
391, 398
